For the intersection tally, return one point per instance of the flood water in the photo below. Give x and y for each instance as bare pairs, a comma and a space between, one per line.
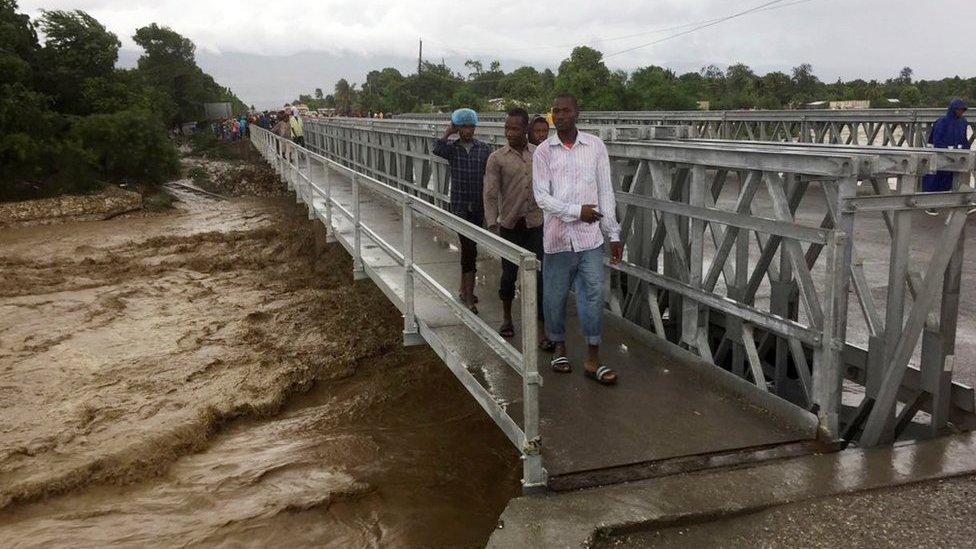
212, 377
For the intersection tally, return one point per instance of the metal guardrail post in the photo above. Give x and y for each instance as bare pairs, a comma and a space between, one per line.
327, 181
296, 174
533, 474
310, 194
829, 377
358, 272
411, 333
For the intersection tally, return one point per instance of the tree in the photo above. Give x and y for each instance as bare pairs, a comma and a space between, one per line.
18, 44
586, 76
465, 97
905, 75
383, 91
168, 63
76, 48
775, 90
806, 86
344, 96
318, 93
656, 88
486, 83
435, 84
740, 88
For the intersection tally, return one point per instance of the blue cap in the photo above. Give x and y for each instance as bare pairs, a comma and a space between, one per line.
464, 117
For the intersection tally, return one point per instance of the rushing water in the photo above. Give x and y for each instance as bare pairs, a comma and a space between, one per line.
205, 378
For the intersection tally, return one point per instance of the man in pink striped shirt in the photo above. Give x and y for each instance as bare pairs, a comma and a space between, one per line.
571, 183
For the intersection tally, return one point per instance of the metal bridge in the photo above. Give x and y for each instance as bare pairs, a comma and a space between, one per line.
882, 127
729, 318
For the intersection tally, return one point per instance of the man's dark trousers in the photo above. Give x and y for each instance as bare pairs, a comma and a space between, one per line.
530, 239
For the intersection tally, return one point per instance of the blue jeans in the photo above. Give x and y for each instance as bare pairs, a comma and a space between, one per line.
582, 271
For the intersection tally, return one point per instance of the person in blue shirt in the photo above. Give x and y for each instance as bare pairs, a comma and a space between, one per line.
948, 132
467, 158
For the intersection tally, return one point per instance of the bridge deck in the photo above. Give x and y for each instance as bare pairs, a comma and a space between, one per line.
667, 405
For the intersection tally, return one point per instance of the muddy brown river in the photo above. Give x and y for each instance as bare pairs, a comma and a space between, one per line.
211, 377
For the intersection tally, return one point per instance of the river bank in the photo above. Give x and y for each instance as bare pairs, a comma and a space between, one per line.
205, 377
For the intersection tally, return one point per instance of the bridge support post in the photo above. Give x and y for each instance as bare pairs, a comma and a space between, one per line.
828, 359
533, 474
309, 188
358, 272
411, 333
327, 182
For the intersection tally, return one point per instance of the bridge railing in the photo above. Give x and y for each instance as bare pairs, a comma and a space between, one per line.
299, 166
745, 253
880, 127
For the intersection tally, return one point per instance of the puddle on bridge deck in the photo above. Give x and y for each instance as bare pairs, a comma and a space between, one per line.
129, 346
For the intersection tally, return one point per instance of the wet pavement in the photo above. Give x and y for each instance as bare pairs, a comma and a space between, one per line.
932, 514
602, 515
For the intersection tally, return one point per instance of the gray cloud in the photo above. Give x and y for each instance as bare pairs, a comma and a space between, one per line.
268, 52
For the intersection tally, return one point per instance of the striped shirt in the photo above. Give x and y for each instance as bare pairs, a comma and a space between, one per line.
563, 179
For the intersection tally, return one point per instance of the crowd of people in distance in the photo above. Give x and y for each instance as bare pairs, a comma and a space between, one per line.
232, 129
286, 123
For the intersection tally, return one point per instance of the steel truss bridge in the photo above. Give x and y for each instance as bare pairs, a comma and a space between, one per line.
774, 298
882, 127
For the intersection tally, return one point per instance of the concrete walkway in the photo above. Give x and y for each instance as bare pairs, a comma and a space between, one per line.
668, 404
586, 517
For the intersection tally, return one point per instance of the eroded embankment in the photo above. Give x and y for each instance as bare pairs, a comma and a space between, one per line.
119, 356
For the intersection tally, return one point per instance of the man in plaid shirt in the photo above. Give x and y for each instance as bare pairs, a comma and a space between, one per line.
467, 157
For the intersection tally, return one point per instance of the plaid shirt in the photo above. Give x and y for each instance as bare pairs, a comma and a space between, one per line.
467, 172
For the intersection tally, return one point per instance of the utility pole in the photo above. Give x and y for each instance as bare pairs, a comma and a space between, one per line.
420, 55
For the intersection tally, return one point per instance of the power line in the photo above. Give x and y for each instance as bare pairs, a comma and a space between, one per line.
697, 28
770, 7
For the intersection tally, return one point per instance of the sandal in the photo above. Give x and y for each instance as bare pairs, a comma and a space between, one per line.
561, 365
507, 331
602, 375
547, 346
461, 298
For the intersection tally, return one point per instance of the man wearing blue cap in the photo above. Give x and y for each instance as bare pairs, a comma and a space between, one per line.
467, 158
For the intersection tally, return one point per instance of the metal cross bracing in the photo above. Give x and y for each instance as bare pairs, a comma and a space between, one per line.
881, 127
745, 254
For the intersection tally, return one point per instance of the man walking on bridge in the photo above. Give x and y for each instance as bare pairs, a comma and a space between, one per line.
571, 181
467, 158
512, 213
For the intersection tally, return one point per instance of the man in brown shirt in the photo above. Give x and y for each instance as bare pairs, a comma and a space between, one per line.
511, 210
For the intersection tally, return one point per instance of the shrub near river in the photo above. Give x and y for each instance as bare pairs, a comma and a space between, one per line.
71, 122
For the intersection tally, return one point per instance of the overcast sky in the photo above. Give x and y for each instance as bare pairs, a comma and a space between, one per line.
269, 51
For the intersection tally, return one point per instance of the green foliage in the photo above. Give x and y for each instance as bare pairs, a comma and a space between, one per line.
168, 65
18, 44
76, 48
466, 97
584, 73
71, 122
129, 145
586, 76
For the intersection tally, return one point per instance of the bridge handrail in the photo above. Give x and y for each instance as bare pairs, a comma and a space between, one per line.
288, 157
897, 126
